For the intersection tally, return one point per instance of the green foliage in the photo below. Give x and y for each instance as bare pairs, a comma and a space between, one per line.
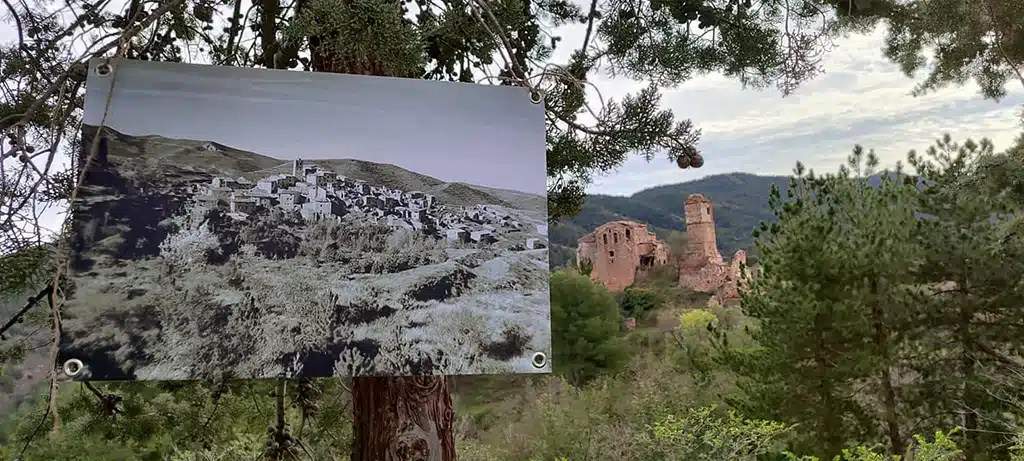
698, 356
184, 421
700, 434
637, 301
966, 40
585, 328
586, 267
941, 448
695, 320
971, 257
24, 270
834, 265
360, 32
677, 244
822, 317
861, 281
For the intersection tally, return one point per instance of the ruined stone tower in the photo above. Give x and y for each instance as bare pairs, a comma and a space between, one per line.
298, 167
700, 232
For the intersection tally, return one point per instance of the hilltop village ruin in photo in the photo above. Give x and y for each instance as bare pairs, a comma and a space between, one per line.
192, 260
318, 193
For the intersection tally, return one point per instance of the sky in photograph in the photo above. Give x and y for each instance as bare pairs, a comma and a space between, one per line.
485, 135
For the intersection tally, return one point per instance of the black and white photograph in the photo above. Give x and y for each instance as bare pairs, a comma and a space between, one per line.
243, 223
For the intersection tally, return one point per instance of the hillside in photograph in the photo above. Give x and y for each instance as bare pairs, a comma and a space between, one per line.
192, 259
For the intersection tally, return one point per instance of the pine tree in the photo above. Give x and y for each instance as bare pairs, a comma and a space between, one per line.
971, 257
968, 40
829, 308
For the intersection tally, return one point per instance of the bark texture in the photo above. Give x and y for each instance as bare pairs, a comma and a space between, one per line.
405, 418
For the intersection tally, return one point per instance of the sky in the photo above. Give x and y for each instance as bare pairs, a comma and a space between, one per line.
861, 98
456, 132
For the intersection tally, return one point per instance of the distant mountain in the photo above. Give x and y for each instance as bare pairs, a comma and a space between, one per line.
190, 155
521, 200
740, 204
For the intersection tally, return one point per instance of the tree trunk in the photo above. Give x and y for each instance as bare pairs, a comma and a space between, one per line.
829, 422
882, 338
967, 373
402, 418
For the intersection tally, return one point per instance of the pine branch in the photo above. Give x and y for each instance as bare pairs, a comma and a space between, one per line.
28, 305
108, 401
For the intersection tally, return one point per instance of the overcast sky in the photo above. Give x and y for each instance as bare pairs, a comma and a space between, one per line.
862, 98
477, 134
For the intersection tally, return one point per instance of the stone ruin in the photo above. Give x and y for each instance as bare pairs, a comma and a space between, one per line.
702, 267
617, 249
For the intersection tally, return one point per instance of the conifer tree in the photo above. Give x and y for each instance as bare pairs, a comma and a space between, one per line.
950, 42
829, 308
971, 260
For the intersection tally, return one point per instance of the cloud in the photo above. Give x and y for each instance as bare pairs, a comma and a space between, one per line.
861, 99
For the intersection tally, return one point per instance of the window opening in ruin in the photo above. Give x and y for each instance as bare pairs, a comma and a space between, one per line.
616, 237
709, 209
605, 238
627, 234
611, 254
647, 261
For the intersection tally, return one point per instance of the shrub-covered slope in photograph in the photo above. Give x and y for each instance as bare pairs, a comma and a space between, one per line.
194, 260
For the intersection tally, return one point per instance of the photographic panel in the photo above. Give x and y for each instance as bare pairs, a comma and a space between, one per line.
251, 223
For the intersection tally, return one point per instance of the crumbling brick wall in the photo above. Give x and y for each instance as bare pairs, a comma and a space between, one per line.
729, 291
616, 249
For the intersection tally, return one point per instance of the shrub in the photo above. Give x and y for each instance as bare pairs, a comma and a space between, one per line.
585, 328
638, 301
702, 434
586, 267
696, 319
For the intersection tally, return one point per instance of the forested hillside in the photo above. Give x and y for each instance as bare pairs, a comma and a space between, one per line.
740, 201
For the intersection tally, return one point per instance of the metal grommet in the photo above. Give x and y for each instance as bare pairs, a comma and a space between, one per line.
536, 96
539, 360
73, 367
103, 69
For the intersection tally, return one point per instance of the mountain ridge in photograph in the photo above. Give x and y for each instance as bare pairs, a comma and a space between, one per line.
219, 159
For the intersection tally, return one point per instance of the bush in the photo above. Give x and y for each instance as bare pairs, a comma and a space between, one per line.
585, 330
661, 277
694, 320
638, 301
370, 248
586, 267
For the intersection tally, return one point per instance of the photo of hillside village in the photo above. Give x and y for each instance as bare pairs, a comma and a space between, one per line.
318, 193
195, 260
